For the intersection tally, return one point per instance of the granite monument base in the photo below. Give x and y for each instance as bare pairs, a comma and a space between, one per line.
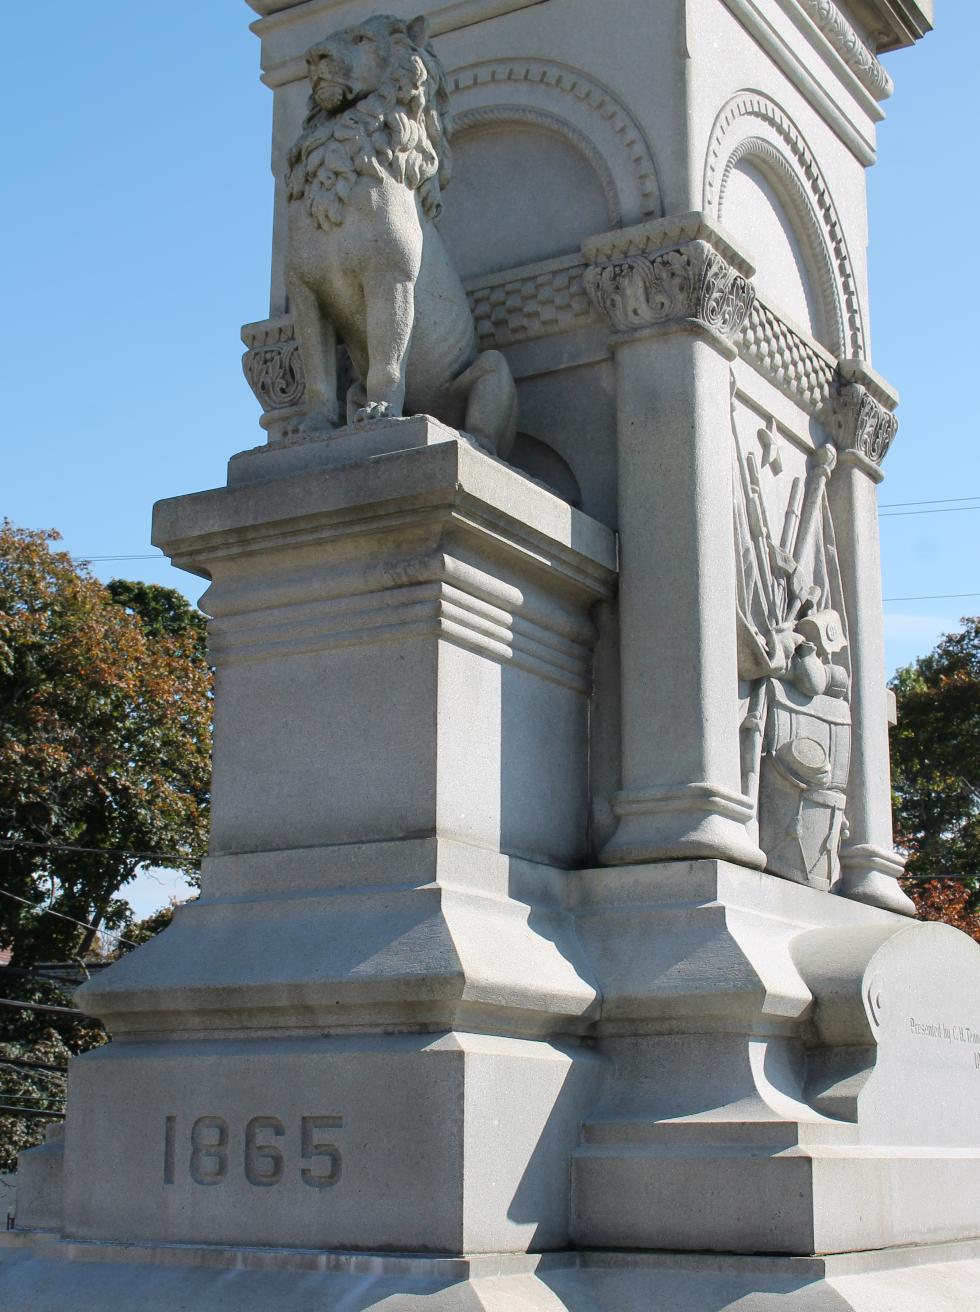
772, 1111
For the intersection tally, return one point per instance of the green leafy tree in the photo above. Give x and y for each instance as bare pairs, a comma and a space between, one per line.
935, 751
105, 726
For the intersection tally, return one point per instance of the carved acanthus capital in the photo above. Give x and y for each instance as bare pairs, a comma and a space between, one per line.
862, 424
693, 281
272, 364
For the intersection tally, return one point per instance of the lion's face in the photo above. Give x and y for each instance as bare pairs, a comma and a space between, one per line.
351, 64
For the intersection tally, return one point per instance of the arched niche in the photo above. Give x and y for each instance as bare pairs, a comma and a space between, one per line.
763, 183
525, 188
542, 158
758, 208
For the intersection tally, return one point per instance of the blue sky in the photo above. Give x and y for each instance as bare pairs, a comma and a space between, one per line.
137, 230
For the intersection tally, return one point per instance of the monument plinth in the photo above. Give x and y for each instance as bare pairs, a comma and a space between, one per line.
550, 951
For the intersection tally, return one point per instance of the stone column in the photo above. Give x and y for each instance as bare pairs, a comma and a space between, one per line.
865, 429
675, 293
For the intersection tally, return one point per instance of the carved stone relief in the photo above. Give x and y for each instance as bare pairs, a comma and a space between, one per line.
794, 663
272, 364
862, 424
691, 282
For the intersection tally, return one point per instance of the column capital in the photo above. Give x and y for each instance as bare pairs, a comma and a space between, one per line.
864, 425
678, 270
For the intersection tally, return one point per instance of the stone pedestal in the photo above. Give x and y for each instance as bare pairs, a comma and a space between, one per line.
366, 1033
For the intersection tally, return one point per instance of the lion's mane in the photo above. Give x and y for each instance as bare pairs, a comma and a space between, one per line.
402, 128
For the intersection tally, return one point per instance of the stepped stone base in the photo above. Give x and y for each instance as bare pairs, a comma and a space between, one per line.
43, 1274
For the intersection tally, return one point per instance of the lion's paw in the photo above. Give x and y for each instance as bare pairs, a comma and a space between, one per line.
373, 410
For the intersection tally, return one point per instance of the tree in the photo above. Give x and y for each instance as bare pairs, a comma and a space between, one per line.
105, 724
35, 1046
936, 778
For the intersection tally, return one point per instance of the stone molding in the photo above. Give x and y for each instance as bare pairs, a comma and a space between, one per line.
446, 18
519, 635
697, 797
828, 19
862, 425
567, 100
809, 200
854, 131
642, 285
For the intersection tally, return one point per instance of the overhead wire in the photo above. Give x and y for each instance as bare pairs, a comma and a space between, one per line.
98, 851
7, 1110
930, 501
16, 1005
82, 924
44, 1067
934, 596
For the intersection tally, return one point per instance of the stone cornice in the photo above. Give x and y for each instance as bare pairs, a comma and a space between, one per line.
859, 371
828, 19
894, 23
660, 235
442, 18
276, 15
854, 130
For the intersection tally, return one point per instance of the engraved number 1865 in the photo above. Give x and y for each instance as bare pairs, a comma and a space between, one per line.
263, 1160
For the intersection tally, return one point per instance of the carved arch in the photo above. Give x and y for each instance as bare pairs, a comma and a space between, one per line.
585, 112
753, 126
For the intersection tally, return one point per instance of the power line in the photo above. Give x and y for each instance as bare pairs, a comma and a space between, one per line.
98, 851
935, 596
7, 1110
33, 1065
87, 560
82, 924
15, 1005
942, 510
934, 501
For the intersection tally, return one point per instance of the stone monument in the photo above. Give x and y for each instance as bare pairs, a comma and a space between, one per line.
550, 951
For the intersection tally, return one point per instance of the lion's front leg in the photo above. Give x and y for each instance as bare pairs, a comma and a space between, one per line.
390, 318
318, 350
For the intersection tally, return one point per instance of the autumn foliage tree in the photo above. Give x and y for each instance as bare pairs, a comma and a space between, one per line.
105, 722
936, 778
105, 736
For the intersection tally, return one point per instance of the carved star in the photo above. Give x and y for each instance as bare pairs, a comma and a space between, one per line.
772, 454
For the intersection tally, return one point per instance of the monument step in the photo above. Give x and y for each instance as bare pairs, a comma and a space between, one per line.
39, 1275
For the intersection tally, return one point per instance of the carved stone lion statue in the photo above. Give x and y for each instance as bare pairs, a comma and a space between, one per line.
365, 262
